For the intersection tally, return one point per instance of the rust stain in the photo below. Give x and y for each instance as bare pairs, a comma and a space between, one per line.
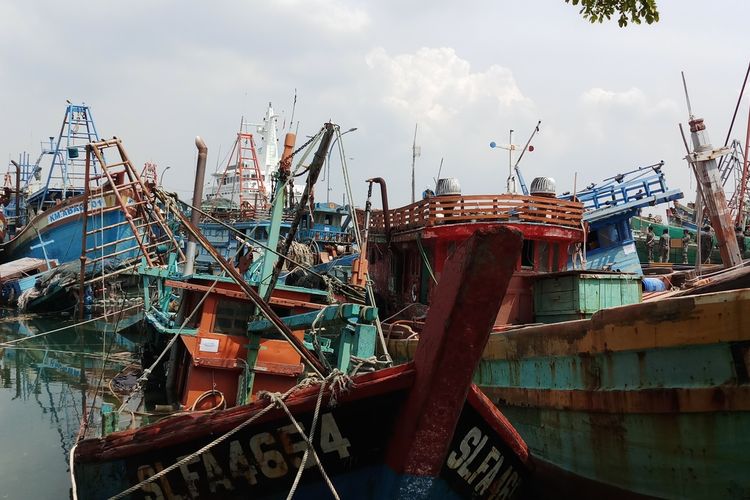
680, 400
667, 323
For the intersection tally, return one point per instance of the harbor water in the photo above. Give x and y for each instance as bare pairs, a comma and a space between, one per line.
46, 379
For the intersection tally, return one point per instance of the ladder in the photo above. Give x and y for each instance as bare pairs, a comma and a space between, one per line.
66, 173
242, 180
252, 188
122, 221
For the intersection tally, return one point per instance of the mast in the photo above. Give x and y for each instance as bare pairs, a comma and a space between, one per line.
740, 219
415, 152
269, 150
510, 184
703, 158
277, 212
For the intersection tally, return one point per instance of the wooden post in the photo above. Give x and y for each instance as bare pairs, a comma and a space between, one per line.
461, 316
703, 158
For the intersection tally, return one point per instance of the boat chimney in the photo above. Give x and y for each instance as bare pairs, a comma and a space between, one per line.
200, 173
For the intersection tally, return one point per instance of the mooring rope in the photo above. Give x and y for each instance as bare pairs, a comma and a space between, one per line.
335, 380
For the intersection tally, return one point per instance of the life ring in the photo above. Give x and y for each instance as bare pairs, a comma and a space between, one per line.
414, 292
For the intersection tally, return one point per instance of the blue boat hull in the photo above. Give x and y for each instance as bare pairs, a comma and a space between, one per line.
57, 234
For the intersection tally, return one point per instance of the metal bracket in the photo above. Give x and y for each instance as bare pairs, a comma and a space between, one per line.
700, 156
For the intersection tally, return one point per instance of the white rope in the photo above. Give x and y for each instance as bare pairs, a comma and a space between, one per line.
276, 401
336, 379
105, 316
71, 464
371, 364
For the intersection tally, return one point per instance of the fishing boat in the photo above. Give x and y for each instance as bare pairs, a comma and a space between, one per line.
619, 398
610, 205
237, 207
49, 220
20, 275
395, 432
407, 247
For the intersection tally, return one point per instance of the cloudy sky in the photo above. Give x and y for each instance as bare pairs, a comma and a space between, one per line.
156, 73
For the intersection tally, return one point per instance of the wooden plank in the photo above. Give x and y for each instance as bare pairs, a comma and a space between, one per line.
463, 310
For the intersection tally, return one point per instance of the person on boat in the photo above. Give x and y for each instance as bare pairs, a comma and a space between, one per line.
685, 244
664, 246
740, 240
707, 244
650, 242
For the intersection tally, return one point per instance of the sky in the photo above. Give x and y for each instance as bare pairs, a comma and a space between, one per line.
157, 73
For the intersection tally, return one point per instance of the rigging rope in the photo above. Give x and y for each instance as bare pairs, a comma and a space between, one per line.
335, 380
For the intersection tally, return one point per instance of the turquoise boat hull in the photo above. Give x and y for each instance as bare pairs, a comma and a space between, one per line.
644, 400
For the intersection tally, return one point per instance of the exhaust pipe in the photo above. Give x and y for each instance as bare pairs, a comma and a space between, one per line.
200, 174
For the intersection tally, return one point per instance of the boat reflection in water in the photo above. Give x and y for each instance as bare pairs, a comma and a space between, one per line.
45, 381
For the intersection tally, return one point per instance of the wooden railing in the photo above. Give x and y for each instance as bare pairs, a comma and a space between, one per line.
480, 208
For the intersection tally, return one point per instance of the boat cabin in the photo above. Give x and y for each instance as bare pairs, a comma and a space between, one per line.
226, 354
408, 246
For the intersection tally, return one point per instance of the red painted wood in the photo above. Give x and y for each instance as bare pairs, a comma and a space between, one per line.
186, 427
458, 326
498, 422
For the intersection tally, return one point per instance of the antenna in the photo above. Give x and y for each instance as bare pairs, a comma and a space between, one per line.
536, 129
687, 97
294, 106
440, 169
415, 152
511, 180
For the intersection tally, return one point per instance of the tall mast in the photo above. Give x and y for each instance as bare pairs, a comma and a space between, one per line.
270, 147
510, 184
703, 159
415, 152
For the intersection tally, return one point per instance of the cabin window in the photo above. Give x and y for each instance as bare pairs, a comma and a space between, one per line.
527, 254
232, 317
608, 236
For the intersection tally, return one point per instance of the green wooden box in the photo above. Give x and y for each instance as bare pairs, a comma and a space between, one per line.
579, 294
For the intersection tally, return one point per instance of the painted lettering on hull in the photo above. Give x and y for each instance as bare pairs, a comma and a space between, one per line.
479, 464
263, 457
74, 209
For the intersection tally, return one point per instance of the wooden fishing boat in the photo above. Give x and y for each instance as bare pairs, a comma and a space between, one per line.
84, 201
616, 398
407, 247
646, 399
417, 430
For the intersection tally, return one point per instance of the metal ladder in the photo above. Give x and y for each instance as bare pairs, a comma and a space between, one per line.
247, 159
67, 150
138, 228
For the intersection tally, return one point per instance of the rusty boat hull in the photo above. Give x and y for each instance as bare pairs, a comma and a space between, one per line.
352, 439
648, 400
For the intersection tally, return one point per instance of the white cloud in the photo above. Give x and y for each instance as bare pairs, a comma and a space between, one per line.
633, 98
328, 15
435, 83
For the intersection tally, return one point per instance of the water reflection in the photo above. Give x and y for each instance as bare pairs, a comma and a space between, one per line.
47, 381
